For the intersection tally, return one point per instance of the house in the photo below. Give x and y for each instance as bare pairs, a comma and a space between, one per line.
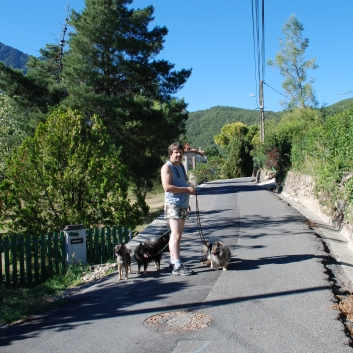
193, 156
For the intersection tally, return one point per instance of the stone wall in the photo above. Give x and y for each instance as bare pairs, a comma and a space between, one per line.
263, 175
300, 188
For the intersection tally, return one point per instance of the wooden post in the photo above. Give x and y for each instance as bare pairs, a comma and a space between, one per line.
262, 114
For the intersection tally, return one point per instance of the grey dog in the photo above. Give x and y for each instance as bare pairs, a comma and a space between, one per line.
123, 260
216, 253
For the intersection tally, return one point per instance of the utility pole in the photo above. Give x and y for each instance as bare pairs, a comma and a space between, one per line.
262, 113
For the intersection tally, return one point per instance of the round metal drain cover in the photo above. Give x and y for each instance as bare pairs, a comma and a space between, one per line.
177, 321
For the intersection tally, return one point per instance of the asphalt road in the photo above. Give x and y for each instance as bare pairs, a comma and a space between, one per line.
275, 296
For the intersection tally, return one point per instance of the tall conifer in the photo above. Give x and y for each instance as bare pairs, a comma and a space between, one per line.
111, 69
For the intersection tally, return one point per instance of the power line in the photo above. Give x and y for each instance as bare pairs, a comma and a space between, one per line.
259, 57
276, 90
258, 40
263, 40
255, 37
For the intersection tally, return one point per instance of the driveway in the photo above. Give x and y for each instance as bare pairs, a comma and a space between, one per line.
275, 296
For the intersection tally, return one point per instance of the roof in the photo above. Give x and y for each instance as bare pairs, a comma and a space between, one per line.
188, 149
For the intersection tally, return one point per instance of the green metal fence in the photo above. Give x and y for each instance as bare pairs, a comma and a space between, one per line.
26, 259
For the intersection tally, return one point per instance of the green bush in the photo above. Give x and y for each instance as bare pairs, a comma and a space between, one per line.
325, 152
209, 171
68, 173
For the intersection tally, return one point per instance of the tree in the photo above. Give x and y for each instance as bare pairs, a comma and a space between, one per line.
228, 132
239, 162
294, 125
11, 135
67, 173
36, 93
212, 152
111, 70
293, 67
237, 139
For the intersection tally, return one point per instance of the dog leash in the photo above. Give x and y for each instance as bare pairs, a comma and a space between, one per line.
198, 219
168, 231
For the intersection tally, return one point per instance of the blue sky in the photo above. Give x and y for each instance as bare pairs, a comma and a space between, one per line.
214, 38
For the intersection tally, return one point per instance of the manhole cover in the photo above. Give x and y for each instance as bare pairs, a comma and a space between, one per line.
176, 321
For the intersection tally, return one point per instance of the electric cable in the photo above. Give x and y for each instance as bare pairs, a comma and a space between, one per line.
258, 32
276, 90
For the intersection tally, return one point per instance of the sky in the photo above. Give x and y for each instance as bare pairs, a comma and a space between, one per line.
215, 39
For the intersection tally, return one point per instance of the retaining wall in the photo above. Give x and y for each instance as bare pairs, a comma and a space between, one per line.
300, 188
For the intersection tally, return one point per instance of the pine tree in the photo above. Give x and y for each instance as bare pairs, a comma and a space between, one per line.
111, 70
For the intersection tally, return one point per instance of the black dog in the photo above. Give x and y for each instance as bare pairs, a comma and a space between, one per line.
163, 241
151, 251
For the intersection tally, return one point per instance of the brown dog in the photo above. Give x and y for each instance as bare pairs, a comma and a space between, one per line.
123, 260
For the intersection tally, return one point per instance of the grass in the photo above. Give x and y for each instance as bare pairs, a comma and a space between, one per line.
155, 200
18, 303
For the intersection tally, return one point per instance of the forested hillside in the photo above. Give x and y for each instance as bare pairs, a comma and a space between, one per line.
338, 107
13, 57
203, 125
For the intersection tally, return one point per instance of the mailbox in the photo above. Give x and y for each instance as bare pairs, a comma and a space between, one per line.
75, 243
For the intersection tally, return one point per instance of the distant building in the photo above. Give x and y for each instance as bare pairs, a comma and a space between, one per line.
193, 156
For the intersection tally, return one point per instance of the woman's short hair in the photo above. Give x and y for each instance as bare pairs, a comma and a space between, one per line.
175, 146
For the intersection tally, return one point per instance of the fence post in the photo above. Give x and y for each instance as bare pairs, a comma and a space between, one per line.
42, 255
7, 260
90, 246
1, 257
102, 245
120, 235
28, 259
62, 248
110, 252
50, 257
56, 252
21, 260
35, 258
126, 235
114, 236
14, 259
96, 247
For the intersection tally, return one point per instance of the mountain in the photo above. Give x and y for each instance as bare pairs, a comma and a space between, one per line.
338, 107
13, 57
203, 125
